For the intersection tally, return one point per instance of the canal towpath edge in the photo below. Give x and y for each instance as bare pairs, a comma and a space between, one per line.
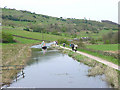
96, 58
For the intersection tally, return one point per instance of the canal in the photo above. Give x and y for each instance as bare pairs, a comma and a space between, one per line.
52, 69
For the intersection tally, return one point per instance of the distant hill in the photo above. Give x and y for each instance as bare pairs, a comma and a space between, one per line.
47, 24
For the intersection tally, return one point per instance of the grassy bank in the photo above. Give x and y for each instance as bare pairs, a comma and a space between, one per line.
14, 54
111, 75
108, 58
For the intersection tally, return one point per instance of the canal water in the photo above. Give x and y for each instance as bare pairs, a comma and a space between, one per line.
53, 69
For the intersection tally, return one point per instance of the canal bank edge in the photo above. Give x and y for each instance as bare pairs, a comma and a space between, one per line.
96, 58
20, 58
98, 68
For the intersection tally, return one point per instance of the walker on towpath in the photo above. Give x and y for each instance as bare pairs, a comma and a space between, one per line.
96, 58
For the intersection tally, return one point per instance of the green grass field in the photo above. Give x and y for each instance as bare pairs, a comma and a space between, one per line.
94, 35
108, 58
22, 41
104, 47
26, 41
34, 35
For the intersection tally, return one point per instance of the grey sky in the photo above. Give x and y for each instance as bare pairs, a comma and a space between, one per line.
93, 9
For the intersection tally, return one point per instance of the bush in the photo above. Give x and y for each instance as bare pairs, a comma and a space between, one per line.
107, 42
61, 41
26, 29
87, 32
80, 44
93, 41
56, 33
37, 28
99, 39
7, 38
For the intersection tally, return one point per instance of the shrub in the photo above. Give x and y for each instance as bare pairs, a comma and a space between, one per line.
56, 33
60, 41
106, 42
99, 39
26, 29
80, 44
7, 38
93, 41
37, 28
87, 32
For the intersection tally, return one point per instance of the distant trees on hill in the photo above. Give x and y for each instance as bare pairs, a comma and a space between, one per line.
10, 17
110, 38
37, 28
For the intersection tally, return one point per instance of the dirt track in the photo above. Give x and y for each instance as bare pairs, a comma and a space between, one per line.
97, 59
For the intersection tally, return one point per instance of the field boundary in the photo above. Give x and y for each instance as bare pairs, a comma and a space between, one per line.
29, 38
96, 58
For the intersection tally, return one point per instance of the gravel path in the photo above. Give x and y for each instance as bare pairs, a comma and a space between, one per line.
97, 59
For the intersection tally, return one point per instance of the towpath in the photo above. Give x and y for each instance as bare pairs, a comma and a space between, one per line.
96, 58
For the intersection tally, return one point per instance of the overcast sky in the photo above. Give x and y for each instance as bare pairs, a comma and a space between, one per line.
93, 9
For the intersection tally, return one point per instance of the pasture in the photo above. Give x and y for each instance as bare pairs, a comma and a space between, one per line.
94, 35
104, 47
34, 35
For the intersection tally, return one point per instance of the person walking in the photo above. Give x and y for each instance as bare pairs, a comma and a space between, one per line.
76, 46
56, 42
63, 44
72, 46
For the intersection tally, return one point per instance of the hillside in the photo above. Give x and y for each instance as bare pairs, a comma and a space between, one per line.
109, 22
41, 23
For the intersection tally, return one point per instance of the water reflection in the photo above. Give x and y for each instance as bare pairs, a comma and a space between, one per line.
41, 56
44, 51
